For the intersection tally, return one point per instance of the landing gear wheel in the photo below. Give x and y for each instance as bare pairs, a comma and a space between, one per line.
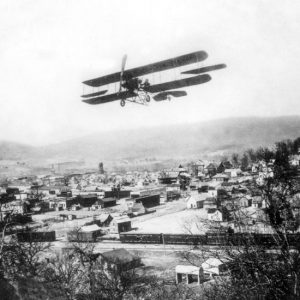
148, 98
122, 103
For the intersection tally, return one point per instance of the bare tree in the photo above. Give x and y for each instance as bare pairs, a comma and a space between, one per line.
66, 273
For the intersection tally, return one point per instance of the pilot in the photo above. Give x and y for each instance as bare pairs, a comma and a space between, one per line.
146, 83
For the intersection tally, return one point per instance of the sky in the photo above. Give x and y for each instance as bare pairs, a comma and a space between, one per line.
49, 47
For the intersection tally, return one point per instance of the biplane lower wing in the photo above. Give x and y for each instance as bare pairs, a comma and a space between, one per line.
164, 95
176, 84
163, 65
110, 98
94, 94
205, 69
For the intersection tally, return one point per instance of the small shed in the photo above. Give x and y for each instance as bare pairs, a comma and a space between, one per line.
86, 234
189, 273
214, 266
105, 219
137, 209
120, 224
108, 202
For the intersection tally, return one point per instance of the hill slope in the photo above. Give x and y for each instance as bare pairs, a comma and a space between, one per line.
174, 141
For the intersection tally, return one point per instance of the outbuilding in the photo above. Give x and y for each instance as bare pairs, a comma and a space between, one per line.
194, 202
189, 273
108, 202
120, 224
214, 266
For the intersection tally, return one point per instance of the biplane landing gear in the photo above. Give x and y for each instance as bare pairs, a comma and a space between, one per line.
122, 103
148, 98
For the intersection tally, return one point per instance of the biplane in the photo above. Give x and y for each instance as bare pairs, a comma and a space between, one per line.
132, 87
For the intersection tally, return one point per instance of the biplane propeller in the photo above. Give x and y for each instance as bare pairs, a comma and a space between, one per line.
133, 89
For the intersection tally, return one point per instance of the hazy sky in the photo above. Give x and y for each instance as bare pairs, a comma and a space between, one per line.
47, 48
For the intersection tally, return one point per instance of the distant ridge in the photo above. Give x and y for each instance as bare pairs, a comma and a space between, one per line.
173, 141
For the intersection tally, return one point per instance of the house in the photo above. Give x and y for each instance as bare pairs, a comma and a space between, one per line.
120, 224
174, 187
212, 192
214, 266
173, 195
211, 169
85, 200
153, 191
245, 201
49, 191
220, 177
108, 202
209, 203
194, 184
116, 192
87, 233
214, 215
232, 173
105, 219
294, 160
57, 204
194, 202
136, 210
118, 260
149, 201
168, 177
223, 166
21, 196
15, 207
257, 202
198, 168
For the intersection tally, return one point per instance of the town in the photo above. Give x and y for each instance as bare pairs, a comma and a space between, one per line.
128, 215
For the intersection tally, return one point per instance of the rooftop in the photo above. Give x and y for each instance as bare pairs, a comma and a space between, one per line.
121, 255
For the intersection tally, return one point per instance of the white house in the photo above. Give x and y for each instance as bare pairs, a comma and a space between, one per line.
214, 266
194, 202
189, 273
212, 192
220, 177
214, 215
233, 172
21, 196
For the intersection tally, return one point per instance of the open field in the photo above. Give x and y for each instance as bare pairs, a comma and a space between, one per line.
185, 221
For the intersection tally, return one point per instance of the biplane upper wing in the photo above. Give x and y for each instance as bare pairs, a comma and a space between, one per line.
176, 84
110, 98
151, 68
205, 69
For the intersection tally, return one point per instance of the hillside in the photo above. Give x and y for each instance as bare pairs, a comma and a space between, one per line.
174, 141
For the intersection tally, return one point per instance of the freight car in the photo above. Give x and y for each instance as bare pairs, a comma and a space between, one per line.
36, 236
83, 236
184, 239
149, 238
